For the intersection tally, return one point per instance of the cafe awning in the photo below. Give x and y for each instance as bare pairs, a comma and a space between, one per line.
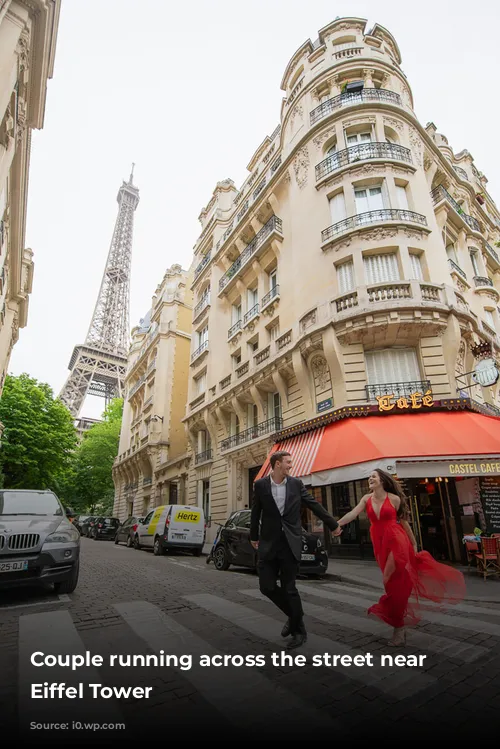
351, 448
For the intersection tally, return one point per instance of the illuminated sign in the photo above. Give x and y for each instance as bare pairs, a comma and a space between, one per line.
413, 402
471, 469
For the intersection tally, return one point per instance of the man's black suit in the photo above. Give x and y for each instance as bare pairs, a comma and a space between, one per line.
280, 542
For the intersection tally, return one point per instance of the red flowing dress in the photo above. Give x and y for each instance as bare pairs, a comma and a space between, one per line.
407, 574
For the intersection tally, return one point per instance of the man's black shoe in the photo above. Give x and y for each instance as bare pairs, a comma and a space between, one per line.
297, 640
287, 629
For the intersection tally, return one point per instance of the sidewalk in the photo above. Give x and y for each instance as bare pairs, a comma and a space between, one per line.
368, 574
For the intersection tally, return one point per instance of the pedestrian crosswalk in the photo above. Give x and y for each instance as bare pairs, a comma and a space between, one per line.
231, 690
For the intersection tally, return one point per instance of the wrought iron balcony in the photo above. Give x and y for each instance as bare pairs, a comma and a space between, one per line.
259, 430
201, 306
397, 389
201, 267
362, 152
454, 268
251, 314
234, 329
275, 291
371, 217
199, 351
273, 225
366, 96
492, 252
203, 457
482, 281
441, 193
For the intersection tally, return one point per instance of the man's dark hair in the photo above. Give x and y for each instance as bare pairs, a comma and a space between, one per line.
278, 455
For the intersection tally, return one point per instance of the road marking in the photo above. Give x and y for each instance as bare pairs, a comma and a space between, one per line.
48, 602
423, 641
402, 682
242, 694
54, 633
474, 625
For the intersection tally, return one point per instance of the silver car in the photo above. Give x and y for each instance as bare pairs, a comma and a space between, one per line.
38, 544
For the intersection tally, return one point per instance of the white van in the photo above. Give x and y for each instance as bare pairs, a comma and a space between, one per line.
172, 527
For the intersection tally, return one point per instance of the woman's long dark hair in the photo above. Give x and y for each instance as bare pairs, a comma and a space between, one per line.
394, 487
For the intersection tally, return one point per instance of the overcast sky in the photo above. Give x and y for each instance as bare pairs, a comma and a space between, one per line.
188, 90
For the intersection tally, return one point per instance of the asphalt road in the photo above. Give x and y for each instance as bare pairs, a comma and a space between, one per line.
131, 603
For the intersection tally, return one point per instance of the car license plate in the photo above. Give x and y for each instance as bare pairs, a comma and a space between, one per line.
13, 566
308, 557
180, 535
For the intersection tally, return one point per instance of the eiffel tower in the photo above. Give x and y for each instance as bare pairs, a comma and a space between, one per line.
98, 366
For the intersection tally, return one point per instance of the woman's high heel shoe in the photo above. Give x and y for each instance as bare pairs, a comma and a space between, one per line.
396, 644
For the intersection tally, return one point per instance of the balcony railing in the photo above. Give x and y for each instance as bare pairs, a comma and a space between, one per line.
259, 430
273, 225
275, 291
454, 268
362, 152
397, 389
371, 217
201, 267
492, 252
201, 306
482, 281
441, 193
251, 314
199, 351
234, 329
365, 96
203, 457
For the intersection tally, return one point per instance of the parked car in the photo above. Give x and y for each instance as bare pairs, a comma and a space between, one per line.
87, 525
125, 531
171, 527
104, 528
38, 544
232, 547
79, 520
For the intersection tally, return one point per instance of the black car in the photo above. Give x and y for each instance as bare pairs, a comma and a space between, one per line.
126, 530
104, 528
85, 526
233, 547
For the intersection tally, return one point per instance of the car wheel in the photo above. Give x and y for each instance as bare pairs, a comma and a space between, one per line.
157, 548
69, 585
129, 542
221, 561
136, 543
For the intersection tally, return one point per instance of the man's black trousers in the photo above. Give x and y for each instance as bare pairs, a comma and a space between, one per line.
282, 565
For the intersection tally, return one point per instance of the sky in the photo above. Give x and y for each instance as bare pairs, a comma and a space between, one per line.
188, 91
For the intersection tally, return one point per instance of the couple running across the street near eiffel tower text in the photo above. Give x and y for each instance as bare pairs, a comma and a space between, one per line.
276, 534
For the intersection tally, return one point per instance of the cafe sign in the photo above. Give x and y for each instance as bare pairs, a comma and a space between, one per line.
468, 467
413, 402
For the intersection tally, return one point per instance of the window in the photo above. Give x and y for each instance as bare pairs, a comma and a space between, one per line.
392, 365
352, 140
235, 424
416, 267
402, 197
345, 277
205, 497
254, 346
337, 207
252, 298
274, 406
273, 280
201, 384
488, 316
252, 415
235, 313
369, 199
202, 336
475, 264
381, 268
236, 360
274, 332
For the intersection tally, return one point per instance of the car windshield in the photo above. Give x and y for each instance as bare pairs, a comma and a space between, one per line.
29, 503
111, 521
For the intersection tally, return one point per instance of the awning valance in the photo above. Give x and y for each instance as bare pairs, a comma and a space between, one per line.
352, 448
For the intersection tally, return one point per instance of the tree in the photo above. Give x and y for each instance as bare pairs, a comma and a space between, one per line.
93, 480
39, 438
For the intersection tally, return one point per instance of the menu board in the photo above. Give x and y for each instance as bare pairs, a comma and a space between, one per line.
489, 489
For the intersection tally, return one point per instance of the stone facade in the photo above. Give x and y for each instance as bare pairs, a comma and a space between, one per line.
28, 32
360, 251
152, 462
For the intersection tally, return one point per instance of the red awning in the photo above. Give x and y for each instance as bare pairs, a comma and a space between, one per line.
371, 438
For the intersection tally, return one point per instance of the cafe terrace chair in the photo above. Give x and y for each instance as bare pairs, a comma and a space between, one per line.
471, 548
488, 559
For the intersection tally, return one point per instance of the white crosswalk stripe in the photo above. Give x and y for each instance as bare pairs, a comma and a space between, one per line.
54, 633
240, 693
335, 592
421, 640
399, 682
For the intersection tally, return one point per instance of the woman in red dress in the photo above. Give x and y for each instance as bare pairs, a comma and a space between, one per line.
406, 572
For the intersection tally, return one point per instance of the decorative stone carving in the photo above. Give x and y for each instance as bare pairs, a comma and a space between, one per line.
396, 124
417, 146
301, 167
323, 137
297, 112
460, 363
368, 169
375, 235
308, 321
320, 371
359, 121
23, 46
414, 234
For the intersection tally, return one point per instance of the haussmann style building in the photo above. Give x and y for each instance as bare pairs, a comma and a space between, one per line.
28, 33
346, 306
153, 457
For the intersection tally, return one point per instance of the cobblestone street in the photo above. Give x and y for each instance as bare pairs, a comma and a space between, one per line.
131, 602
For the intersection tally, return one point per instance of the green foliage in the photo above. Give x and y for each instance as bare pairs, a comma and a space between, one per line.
92, 480
39, 436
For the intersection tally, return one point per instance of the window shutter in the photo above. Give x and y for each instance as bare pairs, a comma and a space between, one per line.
416, 267
488, 314
392, 365
345, 275
381, 268
337, 207
402, 197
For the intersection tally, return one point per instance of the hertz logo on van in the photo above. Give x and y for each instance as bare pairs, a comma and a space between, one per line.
187, 517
